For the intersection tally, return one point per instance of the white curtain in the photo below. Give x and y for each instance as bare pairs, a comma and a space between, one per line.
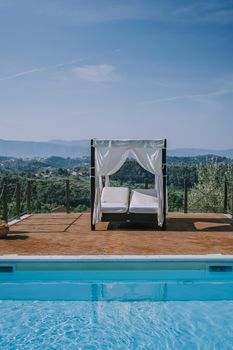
151, 160
108, 160
111, 155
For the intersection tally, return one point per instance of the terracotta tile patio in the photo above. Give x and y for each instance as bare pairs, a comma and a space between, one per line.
70, 234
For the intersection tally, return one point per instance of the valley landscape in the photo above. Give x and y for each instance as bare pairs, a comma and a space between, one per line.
205, 175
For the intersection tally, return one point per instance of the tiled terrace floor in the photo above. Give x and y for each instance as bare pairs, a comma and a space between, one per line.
70, 234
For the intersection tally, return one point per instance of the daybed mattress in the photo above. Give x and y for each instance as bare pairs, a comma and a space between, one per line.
143, 201
114, 200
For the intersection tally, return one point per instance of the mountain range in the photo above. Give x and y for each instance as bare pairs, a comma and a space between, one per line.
32, 149
81, 148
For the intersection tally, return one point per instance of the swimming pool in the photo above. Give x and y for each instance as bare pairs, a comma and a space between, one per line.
126, 303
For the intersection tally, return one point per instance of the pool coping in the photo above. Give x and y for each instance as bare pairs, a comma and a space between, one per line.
80, 258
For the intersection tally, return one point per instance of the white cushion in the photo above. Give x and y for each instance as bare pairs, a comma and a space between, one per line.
143, 201
114, 200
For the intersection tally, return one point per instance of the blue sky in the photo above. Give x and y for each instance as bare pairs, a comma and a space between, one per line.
77, 69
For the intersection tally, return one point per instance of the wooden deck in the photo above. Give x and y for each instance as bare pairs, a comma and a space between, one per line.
70, 234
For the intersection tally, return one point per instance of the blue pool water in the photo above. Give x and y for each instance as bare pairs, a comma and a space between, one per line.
70, 325
116, 305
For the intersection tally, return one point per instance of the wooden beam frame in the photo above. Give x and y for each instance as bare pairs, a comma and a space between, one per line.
164, 170
92, 184
129, 217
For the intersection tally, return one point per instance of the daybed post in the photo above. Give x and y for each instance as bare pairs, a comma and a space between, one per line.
164, 167
92, 184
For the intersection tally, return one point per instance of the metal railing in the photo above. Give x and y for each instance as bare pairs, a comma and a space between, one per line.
17, 203
16, 199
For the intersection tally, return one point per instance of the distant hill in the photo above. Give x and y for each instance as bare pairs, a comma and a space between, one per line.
30, 149
80, 148
81, 143
27, 165
205, 159
193, 152
32, 165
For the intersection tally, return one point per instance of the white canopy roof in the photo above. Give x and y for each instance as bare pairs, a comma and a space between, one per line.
155, 144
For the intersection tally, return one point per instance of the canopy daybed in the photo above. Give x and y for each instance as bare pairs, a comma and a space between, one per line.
118, 203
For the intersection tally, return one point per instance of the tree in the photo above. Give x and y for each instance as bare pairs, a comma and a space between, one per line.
207, 193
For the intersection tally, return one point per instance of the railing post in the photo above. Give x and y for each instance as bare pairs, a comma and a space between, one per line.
185, 195
225, 196
5, 204
146, 183
17, 198
67, 196
29, 190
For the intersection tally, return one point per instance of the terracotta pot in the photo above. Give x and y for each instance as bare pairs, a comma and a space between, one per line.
4, 230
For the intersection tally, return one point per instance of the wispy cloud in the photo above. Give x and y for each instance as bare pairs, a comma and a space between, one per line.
84, 12
38, 70
67, 63
96, 73
214, 11
89, 11
102, 11
20, 74
60, 65
211, 94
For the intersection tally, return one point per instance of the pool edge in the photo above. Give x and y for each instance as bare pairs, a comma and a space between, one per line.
206, 257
